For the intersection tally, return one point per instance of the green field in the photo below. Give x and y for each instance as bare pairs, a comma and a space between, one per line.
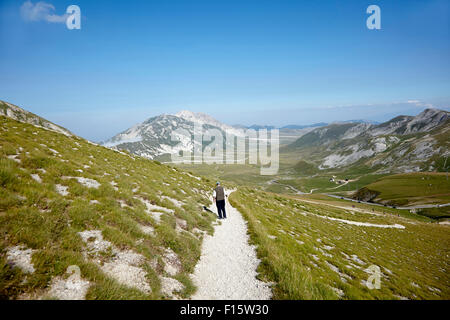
310, 256
350, 205
412, 188
232, 173
293, 176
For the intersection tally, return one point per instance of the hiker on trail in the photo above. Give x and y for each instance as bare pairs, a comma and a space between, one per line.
219, 197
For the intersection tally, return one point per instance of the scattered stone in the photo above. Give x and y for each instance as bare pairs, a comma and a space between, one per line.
14, 158
114, 185
172, 264
36, 178
72, 288
433, 289
89, 183
170, 285
20, 256
180, 224
198, 232
339, 292
357, 260
124, 266
152, 207
62, 190
177, 203
122, 203
315, 257
94, 241
388, 271
342, 275
147, 229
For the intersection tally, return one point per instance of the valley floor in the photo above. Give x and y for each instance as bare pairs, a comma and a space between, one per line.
227, 266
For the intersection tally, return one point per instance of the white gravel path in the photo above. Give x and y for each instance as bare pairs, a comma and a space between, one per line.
227, 266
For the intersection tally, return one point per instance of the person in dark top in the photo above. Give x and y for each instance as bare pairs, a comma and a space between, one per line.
219, 197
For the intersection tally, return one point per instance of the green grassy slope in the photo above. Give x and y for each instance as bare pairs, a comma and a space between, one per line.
412, 188
309, 256
126, 196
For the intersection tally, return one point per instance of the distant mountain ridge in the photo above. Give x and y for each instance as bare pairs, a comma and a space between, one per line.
402, 144
346, 142
14, 112
152, 138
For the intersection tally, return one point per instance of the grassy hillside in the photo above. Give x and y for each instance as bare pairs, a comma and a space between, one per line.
412, 188
133, 227
311, 255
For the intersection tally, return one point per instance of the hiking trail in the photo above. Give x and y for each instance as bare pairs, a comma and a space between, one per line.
227, 266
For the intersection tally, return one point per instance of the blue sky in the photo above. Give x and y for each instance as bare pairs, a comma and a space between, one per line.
266, 62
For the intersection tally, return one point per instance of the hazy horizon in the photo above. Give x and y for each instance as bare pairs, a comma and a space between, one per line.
122, 124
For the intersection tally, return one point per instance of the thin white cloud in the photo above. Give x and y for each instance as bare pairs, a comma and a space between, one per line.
420, 103
417, 103
41, 11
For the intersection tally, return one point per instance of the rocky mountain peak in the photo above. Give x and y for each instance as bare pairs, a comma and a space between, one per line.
201, 118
